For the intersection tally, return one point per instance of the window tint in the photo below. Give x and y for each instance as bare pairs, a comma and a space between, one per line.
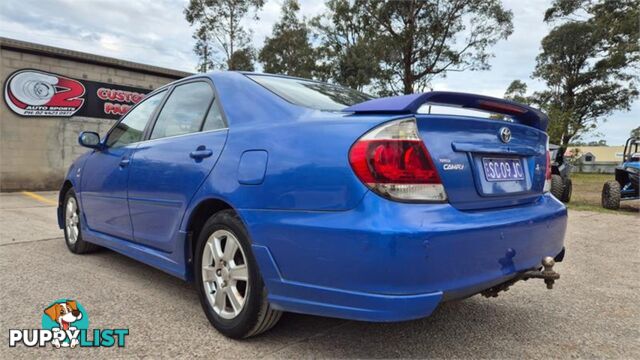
312, 94
214, 119
131, 128
184, 111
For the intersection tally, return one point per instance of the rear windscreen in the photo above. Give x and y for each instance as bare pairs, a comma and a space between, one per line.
311, 94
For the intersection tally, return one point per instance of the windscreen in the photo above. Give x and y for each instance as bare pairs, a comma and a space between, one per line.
311, 94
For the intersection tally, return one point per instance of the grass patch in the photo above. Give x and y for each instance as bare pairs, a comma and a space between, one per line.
587, 192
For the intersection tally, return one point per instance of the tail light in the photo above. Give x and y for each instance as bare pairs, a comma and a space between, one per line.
393, 161
547, 174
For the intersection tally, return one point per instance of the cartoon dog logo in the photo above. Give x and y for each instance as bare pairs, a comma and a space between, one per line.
64, 314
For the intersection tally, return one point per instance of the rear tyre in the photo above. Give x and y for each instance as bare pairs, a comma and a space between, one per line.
566, 191
611, 195
72, 227
231, 290
557, 187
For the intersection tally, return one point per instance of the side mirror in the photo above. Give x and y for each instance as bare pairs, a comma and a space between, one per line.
90, 139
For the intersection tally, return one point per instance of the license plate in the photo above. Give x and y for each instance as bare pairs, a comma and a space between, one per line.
502, 169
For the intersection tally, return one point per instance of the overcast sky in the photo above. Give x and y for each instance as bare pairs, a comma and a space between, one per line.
155, 32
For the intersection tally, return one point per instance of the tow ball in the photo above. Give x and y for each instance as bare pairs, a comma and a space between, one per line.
547, 274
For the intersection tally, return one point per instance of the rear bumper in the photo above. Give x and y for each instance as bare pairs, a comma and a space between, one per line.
387, 261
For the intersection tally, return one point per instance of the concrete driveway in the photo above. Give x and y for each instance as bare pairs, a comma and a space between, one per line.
592, 312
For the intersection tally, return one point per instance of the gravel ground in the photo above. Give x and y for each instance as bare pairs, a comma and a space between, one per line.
592, 312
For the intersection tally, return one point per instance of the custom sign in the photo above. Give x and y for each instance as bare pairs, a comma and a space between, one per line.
38, 93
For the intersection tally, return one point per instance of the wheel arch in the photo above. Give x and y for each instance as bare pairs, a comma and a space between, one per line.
622, 177
63, 192
196, 220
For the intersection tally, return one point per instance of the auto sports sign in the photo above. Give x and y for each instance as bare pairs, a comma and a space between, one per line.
37, 93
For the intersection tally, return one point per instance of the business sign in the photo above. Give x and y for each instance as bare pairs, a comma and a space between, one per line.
38, 93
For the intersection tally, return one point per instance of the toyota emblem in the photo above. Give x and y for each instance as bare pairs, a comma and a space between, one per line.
505, 135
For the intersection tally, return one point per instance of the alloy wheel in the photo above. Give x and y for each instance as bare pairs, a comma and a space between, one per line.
72, 220
225, 274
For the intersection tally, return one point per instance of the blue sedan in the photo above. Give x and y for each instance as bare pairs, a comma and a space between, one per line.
275, 194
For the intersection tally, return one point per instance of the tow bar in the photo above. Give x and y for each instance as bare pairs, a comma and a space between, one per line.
547, 273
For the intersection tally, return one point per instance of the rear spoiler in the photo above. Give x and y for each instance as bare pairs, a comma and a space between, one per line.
409, 104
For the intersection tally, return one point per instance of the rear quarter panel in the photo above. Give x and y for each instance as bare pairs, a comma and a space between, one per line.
307, 163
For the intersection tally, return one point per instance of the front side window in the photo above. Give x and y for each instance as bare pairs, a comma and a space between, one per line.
311, 94
184, 110
131, 128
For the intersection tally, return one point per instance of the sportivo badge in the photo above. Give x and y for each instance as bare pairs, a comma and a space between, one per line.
38, 93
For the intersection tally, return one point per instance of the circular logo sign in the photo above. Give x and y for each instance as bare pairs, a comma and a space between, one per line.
505, 134
39, 93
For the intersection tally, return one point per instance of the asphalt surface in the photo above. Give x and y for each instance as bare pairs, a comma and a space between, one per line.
592, 312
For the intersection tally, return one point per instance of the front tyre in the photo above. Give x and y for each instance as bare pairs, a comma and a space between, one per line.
231, 290
72, 228
611, 195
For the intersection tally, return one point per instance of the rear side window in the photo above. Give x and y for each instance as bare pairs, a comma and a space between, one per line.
131, 128
214, 119
311, 94
184, 110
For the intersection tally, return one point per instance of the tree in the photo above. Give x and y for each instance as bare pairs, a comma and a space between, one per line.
589, 65
219, 32
635, 133
203, 50
424, 39
517, 91
288, 51
243, 59
349, 52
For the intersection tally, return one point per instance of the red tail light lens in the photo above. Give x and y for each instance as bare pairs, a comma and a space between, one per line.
393, 161
547, 174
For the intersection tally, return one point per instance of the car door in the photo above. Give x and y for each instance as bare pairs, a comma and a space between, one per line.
168, 168
105, 173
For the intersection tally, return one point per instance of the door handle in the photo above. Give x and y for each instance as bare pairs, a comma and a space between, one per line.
124, 162
200, 154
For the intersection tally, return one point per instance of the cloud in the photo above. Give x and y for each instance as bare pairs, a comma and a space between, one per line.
148, 31
155, 32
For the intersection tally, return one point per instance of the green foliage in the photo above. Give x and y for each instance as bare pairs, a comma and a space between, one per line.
400, 46
288, 51
349, 52
203, 50
563, 8
425, 39
219, 34
635, 132
242, 60
517, 91
589, 65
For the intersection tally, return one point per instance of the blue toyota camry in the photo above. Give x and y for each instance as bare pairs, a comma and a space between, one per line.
275, 194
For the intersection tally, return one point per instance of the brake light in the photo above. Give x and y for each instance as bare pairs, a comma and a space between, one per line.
500, 107
393, 161
547, 174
